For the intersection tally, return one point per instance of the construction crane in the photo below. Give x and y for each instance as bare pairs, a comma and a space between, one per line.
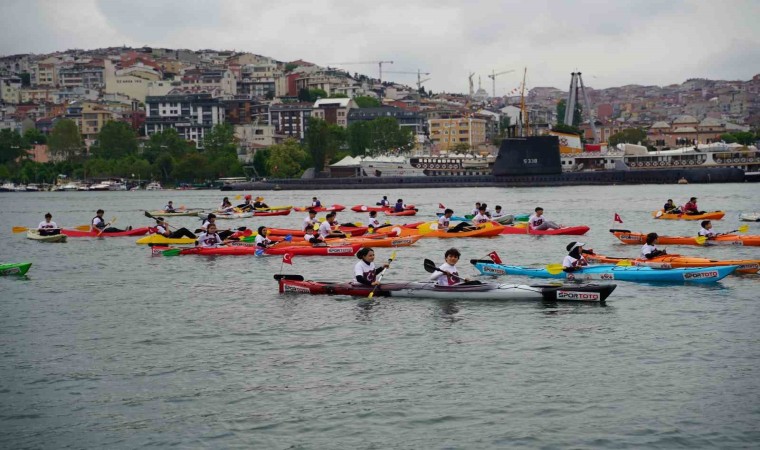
419, 76
472, 87
493, 78
576, 84
379, 64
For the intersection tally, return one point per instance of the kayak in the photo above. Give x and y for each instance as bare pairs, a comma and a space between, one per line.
227, 215
279, 212
133, 232
250, 249
275, 208
295, 284
630, 238
176, 213
36, 236
366, 208
456, 218
750, 217
571, 231
319, 208
337, 250
14, 268
713, 215
354, 231
504, 220
488, 231
406, 212
611, 272
678, 261
157, 239
522, 217
381, 241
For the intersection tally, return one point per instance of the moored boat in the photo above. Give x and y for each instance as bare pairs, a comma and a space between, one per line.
611, 272
14, 268
36, 236
633, 238
295, 284
749, 217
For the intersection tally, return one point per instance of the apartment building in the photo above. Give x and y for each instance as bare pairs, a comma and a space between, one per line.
191, 115
334, 110
10, 90
290, 119
446, 133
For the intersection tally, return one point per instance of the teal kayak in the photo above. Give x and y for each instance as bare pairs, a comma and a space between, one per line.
14, 268
611, 272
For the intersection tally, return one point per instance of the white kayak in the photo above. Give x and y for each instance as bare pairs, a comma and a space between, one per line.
750, 217
234, 215
36, 236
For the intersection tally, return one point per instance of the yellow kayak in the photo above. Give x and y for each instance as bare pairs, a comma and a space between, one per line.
157, 239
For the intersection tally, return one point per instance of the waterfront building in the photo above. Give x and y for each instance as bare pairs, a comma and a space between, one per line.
290, 119
191, 115
446, 133
410, 119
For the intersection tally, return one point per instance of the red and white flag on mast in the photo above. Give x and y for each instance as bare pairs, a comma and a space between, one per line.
287, 258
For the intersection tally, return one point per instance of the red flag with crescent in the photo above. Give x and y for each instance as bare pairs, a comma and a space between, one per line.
495, 257
287, 258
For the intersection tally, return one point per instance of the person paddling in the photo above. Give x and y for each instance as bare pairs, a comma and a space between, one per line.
262, 241
246, 205
373, 222
162, 228
169, 208
481, 217
259, 204
384, 202
100, 225
538, 222
445, 220
315, 203
310, 220
691, 207
210, 238
311, 236
670, 208
649, 250
497, 212
400, 206
365, 271
211, 219
707, 230
447, 273
575, 259
326, 228
226, 205
48, 227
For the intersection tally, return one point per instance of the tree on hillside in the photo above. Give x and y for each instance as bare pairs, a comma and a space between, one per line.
65, 142
167, 141
12, 146
629, 136
562, 128
115, 140
358, 138
286, 160
365, 101
33, 136
317, 142
740, 137
386, 135
337, 95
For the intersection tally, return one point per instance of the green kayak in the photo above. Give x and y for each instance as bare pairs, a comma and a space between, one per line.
14, 268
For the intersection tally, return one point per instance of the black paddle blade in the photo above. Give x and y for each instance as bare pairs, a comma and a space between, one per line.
282, 276
430, 266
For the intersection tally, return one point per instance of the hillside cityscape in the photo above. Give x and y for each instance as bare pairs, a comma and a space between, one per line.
177, 115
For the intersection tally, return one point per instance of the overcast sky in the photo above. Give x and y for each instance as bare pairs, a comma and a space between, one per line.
612, 42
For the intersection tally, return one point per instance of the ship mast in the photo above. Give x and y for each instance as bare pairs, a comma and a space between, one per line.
524, 122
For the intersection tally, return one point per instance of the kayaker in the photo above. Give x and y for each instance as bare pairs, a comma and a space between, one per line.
649, 250
100, 225
384, 202
310, 235
497, 212
365, 271
538, 222
246, 205
445, 220
400, 206
310, 220
210, 238
373, 222
670, 208
47, 227
481, 217
575, 259
169, 208
691, 207
259, 203
447, 274
226, 205
262, 240
315, 203
477, 208
162, 228
326, 230
211, 219
706, 230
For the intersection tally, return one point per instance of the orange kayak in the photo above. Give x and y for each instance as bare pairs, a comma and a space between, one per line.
489, 231
713, 215
631, 238
678, 261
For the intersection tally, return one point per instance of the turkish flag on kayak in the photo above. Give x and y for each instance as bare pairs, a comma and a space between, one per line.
287, 258
495, 257
440, 205
617, 218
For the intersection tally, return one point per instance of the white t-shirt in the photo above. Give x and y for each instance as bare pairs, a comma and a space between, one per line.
262, 241
205, 224
308, 236
209, 240
647, 249
475, 212
480, 218
169, 208
373, 222
308, 222
47, 225
365, 270
98, 222
325, 229
443, 279
160, 229
443, 223
223, 207
535, 221
569, 261
706, 232
496, 215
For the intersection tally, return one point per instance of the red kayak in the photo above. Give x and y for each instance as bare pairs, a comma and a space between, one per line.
365, 208
355, 231
406, 212
251, 249
132, 232
283, 212
338, 250
571, 231
320, 208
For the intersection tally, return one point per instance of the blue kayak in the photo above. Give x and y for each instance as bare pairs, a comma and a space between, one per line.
611, 272
457, 218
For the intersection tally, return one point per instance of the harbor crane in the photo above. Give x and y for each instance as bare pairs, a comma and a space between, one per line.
493, 76
419, 76
379, 64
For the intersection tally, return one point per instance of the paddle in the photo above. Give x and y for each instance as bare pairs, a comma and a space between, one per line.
430, 267
380, 277
113, 220
22, 229
281, 276
554, 269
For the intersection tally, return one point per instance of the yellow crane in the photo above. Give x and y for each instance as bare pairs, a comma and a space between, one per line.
419, 76
493, 76
379, 64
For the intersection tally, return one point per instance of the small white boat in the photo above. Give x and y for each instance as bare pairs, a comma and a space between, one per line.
750, 217
154, 186
36, 236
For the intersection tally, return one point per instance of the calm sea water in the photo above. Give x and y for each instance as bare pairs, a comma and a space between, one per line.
105, 346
